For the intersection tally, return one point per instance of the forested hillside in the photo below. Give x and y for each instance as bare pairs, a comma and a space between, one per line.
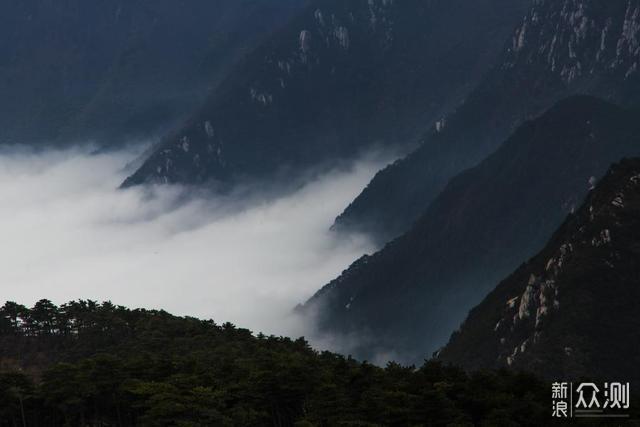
85, 363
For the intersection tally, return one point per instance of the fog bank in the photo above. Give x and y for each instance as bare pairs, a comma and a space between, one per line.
68, 234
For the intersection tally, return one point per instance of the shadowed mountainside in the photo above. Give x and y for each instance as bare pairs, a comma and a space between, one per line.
343, 77
571, 310
559, 49
116, 70
412, 294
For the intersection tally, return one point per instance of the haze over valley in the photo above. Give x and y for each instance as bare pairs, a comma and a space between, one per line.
75, 235
318, 212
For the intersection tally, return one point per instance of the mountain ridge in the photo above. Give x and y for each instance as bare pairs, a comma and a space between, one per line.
559, 49
570, 308
416, 290
340, 78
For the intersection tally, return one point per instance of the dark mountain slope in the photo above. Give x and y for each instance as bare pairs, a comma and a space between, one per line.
410, 296
110, 69
343, 76
572, 310
85, 363
559, 49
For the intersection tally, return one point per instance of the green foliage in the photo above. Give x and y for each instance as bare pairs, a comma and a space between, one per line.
85, 363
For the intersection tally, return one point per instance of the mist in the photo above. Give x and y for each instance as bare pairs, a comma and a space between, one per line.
68, 234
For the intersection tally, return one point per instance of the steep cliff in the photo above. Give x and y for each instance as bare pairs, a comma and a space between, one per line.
412, 294
571, 310
560, 48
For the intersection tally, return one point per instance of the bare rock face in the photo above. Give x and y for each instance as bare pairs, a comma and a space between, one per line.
577, 40
571, 310
560, 48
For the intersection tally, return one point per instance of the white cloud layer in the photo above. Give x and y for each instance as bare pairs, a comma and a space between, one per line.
67, 233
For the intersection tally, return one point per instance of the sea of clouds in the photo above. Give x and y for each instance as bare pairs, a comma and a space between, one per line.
68, 233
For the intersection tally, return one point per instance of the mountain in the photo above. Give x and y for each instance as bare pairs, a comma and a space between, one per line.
560, 48
110, 70
571, 310
85, 363
342, 77
413, 293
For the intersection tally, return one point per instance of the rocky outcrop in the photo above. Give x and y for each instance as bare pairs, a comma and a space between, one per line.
340, 78
560, 48
571, 310
413, 293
